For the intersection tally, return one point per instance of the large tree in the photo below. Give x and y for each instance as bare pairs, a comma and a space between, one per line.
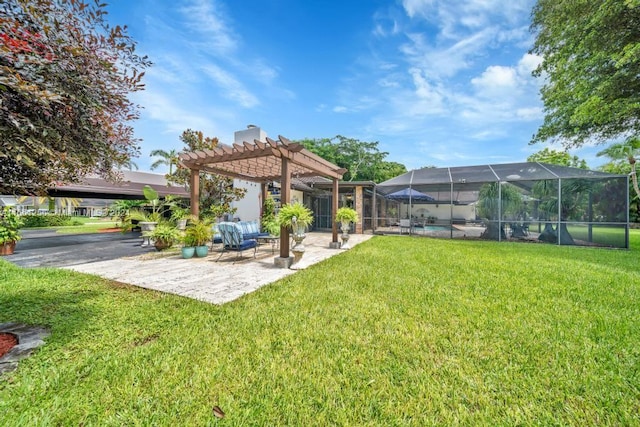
363, 160
590, 53
65, 78
556, 157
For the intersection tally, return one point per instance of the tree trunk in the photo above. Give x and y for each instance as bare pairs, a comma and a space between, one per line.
492, 232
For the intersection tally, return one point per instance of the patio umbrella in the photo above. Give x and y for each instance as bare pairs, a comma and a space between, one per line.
409, 194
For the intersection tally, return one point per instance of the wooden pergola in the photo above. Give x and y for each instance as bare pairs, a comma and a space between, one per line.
263, 162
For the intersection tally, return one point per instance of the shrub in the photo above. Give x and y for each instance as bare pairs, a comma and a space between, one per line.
54, 220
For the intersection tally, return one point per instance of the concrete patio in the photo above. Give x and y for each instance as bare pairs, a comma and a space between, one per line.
207, 280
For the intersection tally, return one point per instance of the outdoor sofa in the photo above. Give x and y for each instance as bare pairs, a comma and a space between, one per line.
250, 231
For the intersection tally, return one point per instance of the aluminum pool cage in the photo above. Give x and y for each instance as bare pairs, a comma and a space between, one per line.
530, 201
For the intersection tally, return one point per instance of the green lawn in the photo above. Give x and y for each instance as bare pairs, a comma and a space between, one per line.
92, 226
89, 225
396, 331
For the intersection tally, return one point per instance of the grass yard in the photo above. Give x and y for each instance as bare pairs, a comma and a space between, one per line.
396, 331
602, 235
89, 225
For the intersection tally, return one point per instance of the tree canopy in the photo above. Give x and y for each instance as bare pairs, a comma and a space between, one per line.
363, 160
65, 77
556, 157
591, 65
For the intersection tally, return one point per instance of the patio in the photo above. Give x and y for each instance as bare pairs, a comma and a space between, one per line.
207, 280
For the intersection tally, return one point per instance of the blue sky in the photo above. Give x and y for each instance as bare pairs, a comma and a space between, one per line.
435, 82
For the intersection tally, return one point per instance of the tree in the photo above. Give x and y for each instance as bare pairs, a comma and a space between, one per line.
363, 160
495, 199
65, 77
555, 157
216, 191
168, 158
591, 64
623, 161
628, 151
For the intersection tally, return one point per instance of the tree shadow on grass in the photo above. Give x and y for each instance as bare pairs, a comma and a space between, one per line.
62, 312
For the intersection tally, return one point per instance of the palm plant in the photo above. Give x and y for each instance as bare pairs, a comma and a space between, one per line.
490, 209
168, 158
629, 150
198, 232
572, 203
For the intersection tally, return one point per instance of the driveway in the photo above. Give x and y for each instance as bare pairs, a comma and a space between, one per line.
46, 248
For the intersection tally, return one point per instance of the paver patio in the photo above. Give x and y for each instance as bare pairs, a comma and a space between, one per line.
204, 278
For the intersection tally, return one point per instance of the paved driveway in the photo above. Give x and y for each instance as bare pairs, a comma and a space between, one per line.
46, 248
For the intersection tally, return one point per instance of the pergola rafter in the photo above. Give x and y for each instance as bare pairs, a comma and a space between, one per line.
263, 162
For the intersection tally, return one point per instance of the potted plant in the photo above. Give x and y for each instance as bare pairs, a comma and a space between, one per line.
297, 218
146, 220
10, 225
346, 216
164, 235
198, 233
188, 246
180, 215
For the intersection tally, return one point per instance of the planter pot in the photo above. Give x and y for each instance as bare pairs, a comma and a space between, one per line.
345, 227
298, 249
147, 226
162, 244
202, 251
181, 224
188, 252
7, 248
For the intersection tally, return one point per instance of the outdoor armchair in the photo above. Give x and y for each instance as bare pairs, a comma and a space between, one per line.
233, 239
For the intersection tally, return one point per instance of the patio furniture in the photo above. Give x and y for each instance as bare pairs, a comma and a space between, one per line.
233, 240
250, 230
405, 224
216, 238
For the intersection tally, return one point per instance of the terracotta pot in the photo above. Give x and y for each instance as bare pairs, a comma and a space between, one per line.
7, 248
162, 244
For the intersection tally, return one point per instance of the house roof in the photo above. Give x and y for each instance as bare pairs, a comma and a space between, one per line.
130, 187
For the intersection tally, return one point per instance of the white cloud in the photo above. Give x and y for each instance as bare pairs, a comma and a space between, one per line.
431, 97
445, 61
207, 17
496, 82
231, 87
162, 107
528, 63
530, 113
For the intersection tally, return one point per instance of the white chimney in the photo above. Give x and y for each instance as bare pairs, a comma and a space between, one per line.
249, 134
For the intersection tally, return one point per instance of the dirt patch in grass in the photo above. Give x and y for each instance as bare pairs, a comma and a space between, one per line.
7, 342
109, 230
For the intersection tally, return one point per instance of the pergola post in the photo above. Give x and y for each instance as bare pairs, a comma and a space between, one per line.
194, 184
263, 197
284, 260
334, 209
